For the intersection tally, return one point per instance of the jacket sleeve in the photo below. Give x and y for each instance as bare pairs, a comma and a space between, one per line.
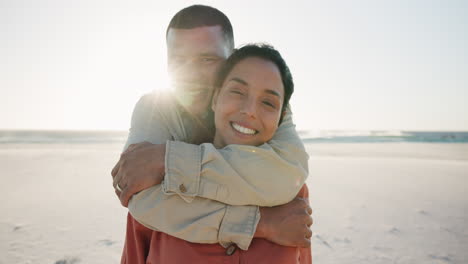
267, 175
203, 220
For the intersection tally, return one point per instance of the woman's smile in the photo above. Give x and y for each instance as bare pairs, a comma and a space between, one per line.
243, 130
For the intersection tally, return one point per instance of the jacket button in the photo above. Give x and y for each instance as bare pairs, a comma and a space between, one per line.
182, 188
230, 250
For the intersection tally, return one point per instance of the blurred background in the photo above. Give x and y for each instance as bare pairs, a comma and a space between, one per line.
357, 65
380, 102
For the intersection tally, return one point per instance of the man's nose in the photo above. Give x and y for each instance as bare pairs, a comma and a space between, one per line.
186, 69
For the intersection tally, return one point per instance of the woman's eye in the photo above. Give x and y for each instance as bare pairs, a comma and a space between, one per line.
269, 104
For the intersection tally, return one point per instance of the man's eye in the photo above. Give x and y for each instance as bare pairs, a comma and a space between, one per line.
208, 60
236, 92
176, 60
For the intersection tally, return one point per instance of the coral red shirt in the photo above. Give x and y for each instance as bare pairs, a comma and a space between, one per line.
143, 245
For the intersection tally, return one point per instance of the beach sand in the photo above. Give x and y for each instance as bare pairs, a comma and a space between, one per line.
373, 203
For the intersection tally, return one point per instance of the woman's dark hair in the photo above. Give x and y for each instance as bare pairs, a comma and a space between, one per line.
263, 51
199, 16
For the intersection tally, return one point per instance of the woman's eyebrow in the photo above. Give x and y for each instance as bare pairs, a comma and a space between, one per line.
235, 79
269, 91
273, 92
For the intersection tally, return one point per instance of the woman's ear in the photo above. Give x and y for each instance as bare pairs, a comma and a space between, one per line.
214, 99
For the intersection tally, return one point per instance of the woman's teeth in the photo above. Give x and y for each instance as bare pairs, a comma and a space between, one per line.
243, 130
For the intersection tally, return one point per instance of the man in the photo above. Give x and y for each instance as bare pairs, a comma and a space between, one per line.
208, 195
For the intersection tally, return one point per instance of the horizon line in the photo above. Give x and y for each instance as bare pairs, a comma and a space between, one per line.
298, 130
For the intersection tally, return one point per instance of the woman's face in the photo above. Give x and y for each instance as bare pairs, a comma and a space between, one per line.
248, 106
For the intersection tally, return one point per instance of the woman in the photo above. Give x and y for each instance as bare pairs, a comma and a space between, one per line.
253, 89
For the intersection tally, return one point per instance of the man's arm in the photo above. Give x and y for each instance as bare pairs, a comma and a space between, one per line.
202, 221
206, 221
268, 175
217, 222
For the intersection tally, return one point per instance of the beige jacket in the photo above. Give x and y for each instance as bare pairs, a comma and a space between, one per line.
212, 195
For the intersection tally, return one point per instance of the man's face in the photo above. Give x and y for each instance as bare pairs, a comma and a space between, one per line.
194, 56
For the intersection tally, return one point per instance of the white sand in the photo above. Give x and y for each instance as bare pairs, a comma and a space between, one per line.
60, 205
389, 203
373, 203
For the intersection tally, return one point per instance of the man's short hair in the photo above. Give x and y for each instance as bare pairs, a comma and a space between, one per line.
199, 16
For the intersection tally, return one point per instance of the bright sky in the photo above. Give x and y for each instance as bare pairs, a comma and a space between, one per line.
385, 65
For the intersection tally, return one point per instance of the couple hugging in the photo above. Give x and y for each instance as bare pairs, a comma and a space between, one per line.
214, 171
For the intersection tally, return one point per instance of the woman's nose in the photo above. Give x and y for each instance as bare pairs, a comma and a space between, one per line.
249, 108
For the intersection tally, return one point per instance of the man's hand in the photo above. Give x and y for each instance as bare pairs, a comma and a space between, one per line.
286, 225
140, 167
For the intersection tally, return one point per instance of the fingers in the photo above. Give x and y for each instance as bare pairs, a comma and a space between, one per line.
309, 221
309, 210
119, 187
120, 178
301, 202
117, 192
122, 193
308, 233
130, 148
122, 181
115, 170
305, 243
123, 156
117, 180
125, 196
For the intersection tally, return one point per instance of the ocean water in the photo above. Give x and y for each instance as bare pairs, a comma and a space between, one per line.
372, 136
96, 137
58, 136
